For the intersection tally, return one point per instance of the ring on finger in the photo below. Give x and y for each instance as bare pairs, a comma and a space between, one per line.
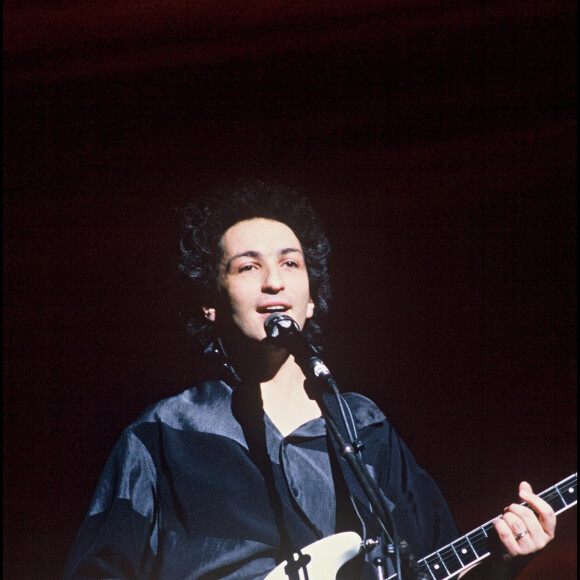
520, 535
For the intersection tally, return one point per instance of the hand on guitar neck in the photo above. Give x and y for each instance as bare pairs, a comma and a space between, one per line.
522, 532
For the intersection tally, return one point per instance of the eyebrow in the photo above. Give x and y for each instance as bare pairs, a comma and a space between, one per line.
255, 254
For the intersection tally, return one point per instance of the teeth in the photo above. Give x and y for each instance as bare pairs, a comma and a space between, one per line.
275, 309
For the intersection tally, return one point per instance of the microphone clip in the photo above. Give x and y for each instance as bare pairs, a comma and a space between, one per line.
284, 331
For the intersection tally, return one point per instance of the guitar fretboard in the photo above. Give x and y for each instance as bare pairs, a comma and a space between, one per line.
471, 548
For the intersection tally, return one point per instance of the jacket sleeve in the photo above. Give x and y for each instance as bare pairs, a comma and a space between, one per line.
119, 535
421, 512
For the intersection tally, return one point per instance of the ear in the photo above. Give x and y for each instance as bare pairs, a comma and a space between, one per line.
310, 309
209, 313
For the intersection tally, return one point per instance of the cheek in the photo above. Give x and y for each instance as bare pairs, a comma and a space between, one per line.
306, 286
305, 297
239, 297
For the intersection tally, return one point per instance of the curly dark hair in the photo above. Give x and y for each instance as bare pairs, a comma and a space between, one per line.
205, 221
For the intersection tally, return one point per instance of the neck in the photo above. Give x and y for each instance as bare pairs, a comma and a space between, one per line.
285, 401
281, 382
287, 378
257, 362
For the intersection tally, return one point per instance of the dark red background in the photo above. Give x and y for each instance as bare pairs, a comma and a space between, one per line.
439, 144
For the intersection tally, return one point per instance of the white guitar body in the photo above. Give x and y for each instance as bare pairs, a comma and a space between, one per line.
322, 559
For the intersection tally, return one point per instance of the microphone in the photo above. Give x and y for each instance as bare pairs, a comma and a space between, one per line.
284, 330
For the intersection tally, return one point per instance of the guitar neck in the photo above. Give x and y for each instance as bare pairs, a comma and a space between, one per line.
473, 547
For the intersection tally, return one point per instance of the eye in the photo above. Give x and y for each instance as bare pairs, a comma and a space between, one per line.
247, 268
291, 264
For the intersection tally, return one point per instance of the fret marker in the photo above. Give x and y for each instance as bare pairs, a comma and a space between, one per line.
464, 551
570, 490
436, 566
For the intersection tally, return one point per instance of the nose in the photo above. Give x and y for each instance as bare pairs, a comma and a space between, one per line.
272, 282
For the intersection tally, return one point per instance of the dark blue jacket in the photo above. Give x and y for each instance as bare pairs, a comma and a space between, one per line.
182, 496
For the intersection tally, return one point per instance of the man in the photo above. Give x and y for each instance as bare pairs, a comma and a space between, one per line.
229, 478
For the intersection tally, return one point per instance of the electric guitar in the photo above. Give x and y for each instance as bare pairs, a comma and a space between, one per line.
323, 559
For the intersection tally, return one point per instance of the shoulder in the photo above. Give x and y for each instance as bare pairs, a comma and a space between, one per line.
194, 409
364, 411
204, 408
201, 397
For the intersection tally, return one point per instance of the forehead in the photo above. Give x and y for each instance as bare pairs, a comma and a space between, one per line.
258, 234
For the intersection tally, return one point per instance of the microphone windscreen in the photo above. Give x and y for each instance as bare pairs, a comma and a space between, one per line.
278, 324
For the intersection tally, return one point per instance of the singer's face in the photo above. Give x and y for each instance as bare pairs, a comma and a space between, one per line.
262, 271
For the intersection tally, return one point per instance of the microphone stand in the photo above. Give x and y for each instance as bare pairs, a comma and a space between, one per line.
349, 452
282, 329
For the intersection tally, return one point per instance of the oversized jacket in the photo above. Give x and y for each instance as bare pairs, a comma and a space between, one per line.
183, 497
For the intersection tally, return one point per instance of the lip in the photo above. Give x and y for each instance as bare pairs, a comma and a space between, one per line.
263, 308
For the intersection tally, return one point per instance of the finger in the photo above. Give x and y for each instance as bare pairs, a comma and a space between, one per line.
506, 536
545, 513
528, 533
529, 521
517, 539
513, 520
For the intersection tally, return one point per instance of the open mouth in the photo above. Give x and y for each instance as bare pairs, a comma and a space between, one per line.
271, 308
